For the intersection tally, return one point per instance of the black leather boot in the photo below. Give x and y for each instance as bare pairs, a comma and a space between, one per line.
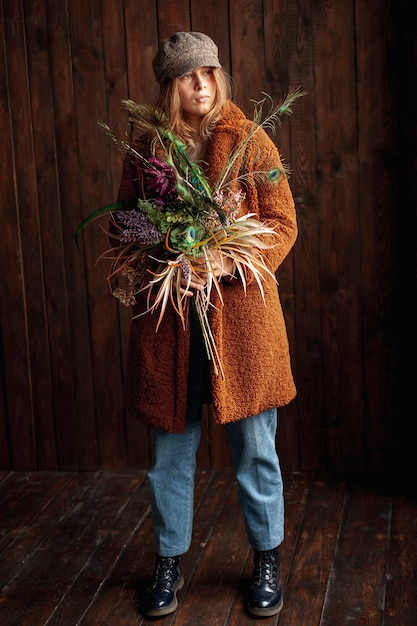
265, 597
161, 595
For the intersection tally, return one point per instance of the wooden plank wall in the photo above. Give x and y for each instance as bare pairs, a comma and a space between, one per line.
64, 65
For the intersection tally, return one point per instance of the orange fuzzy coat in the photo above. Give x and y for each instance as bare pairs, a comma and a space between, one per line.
250, 336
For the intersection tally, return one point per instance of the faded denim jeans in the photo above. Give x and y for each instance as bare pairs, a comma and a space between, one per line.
258, 475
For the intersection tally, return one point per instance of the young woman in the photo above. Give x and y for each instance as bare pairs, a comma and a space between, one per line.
169, 376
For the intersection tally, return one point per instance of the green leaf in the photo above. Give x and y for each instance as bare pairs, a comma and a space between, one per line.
108, 208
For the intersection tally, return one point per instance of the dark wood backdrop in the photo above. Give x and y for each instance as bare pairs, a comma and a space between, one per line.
348, 287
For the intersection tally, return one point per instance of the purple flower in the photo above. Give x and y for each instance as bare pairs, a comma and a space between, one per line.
139, 229
185, 268
160, 180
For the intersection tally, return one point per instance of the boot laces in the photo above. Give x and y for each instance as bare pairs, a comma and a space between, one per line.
164, 571
266, 568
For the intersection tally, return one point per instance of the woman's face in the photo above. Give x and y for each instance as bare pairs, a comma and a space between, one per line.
197, 91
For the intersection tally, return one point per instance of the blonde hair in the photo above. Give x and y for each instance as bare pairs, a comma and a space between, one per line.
169, 102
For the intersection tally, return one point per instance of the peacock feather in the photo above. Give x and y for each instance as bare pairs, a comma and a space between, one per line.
268, 122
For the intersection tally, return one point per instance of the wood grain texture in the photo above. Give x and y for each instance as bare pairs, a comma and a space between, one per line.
64, 66
77, 548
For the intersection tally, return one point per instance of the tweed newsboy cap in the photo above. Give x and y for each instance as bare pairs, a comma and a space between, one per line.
182, 52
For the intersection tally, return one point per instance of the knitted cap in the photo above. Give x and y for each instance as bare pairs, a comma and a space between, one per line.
182, 53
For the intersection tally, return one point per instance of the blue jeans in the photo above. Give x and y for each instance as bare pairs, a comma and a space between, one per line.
258, 475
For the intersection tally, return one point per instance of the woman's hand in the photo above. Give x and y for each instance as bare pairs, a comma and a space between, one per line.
215, 264
194, 283
220, 265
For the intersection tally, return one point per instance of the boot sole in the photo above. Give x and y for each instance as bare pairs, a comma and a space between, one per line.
258, 612
170, 608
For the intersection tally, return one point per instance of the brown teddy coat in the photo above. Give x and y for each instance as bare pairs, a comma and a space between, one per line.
250, 336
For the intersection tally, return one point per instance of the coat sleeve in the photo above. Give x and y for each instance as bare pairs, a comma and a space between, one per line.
128, 188
272, 202
128, 191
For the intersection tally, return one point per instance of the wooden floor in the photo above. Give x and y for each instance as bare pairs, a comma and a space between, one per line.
77, 549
